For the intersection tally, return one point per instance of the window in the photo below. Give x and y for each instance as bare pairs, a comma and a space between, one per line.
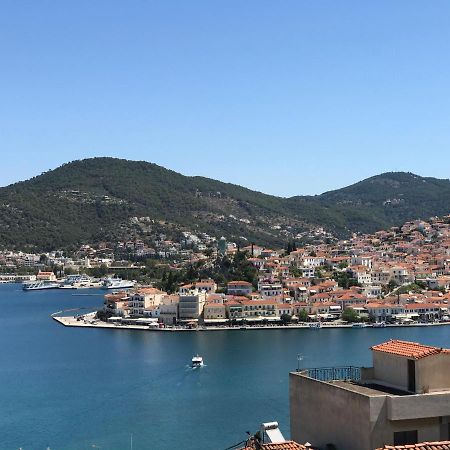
405, 437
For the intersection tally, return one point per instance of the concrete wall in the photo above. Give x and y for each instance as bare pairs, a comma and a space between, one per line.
419, 406
428, 430
390, 370
322, 413
433, 373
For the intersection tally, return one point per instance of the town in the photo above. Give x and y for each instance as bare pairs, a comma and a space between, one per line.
398, 276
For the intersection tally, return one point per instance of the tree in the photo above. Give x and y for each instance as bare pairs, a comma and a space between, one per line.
286, 318
303, 315
350, 315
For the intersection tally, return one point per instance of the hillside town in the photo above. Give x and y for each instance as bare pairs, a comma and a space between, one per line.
396, 276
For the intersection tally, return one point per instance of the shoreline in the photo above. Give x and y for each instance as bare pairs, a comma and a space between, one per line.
71, 321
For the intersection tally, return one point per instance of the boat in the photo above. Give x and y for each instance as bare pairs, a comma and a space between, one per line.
379, 325
39, 285
197, 361
315, 325
117, 283
359, 325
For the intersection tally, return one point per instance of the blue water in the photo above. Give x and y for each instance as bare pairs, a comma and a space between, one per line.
73, 388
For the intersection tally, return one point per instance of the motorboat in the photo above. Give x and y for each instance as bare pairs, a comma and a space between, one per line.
197, 361
379, 325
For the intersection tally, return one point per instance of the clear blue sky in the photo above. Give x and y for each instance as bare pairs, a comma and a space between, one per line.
287, 97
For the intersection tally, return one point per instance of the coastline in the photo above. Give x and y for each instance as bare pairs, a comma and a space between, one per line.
71, 321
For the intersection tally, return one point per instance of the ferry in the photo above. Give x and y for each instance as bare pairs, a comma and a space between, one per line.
78, 281
197, 361
39, 285
117, 283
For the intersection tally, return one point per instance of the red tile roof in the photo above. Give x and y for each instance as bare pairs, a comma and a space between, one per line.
442, 445
408, 349
288, 445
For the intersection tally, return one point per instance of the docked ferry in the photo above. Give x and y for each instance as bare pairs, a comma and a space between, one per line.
39, 285
78, 281
117, 283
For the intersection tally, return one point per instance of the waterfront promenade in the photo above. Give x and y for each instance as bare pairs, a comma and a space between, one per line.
89, 321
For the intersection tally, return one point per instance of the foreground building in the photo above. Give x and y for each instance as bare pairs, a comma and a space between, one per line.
403, 399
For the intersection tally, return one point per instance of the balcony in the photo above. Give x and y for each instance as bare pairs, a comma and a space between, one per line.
327, 374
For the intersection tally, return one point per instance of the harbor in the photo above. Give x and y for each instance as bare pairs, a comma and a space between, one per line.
89, 373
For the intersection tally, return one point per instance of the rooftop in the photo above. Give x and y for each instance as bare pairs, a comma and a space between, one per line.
442, 445
408, 349
288, 445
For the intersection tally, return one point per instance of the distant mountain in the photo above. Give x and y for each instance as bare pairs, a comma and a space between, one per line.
96, 199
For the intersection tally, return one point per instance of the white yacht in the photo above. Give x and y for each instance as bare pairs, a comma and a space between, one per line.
197, 361
117, 283
39, 285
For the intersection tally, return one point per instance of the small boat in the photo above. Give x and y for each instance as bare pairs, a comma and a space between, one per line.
315, 325
197, 361
359, 325
379, 325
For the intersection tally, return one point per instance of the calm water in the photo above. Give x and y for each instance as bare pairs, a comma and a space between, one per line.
70, 388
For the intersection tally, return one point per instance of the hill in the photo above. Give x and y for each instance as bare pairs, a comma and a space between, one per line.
96, 199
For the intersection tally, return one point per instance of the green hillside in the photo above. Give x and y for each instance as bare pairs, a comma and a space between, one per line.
94, 199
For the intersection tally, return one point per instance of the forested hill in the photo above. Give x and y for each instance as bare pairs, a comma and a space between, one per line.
95, 199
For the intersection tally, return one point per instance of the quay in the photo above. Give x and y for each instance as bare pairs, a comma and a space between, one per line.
88, 321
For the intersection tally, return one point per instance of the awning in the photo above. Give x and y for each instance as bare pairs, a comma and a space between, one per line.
216, 320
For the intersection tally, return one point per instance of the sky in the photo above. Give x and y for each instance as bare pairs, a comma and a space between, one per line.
286, 97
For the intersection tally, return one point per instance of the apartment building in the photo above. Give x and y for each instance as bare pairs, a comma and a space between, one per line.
403, 399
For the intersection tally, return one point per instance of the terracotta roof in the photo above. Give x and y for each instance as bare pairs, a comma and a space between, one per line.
408, 349
288, 445
442, 445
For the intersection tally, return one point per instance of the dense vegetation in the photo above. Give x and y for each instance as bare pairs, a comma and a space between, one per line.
94, 199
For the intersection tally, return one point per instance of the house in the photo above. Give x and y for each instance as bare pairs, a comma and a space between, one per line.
214, 313
239, 288
142, 300
384, 312
190, 305
270, 290
116, 304
403, 399
168, 309
257, 309
45, 276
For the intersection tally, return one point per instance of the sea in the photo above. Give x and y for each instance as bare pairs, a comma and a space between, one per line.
79, 388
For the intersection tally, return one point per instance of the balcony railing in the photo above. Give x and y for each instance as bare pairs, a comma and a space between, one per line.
348, 373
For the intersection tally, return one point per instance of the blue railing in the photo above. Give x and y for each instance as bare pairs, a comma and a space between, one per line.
348, 373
